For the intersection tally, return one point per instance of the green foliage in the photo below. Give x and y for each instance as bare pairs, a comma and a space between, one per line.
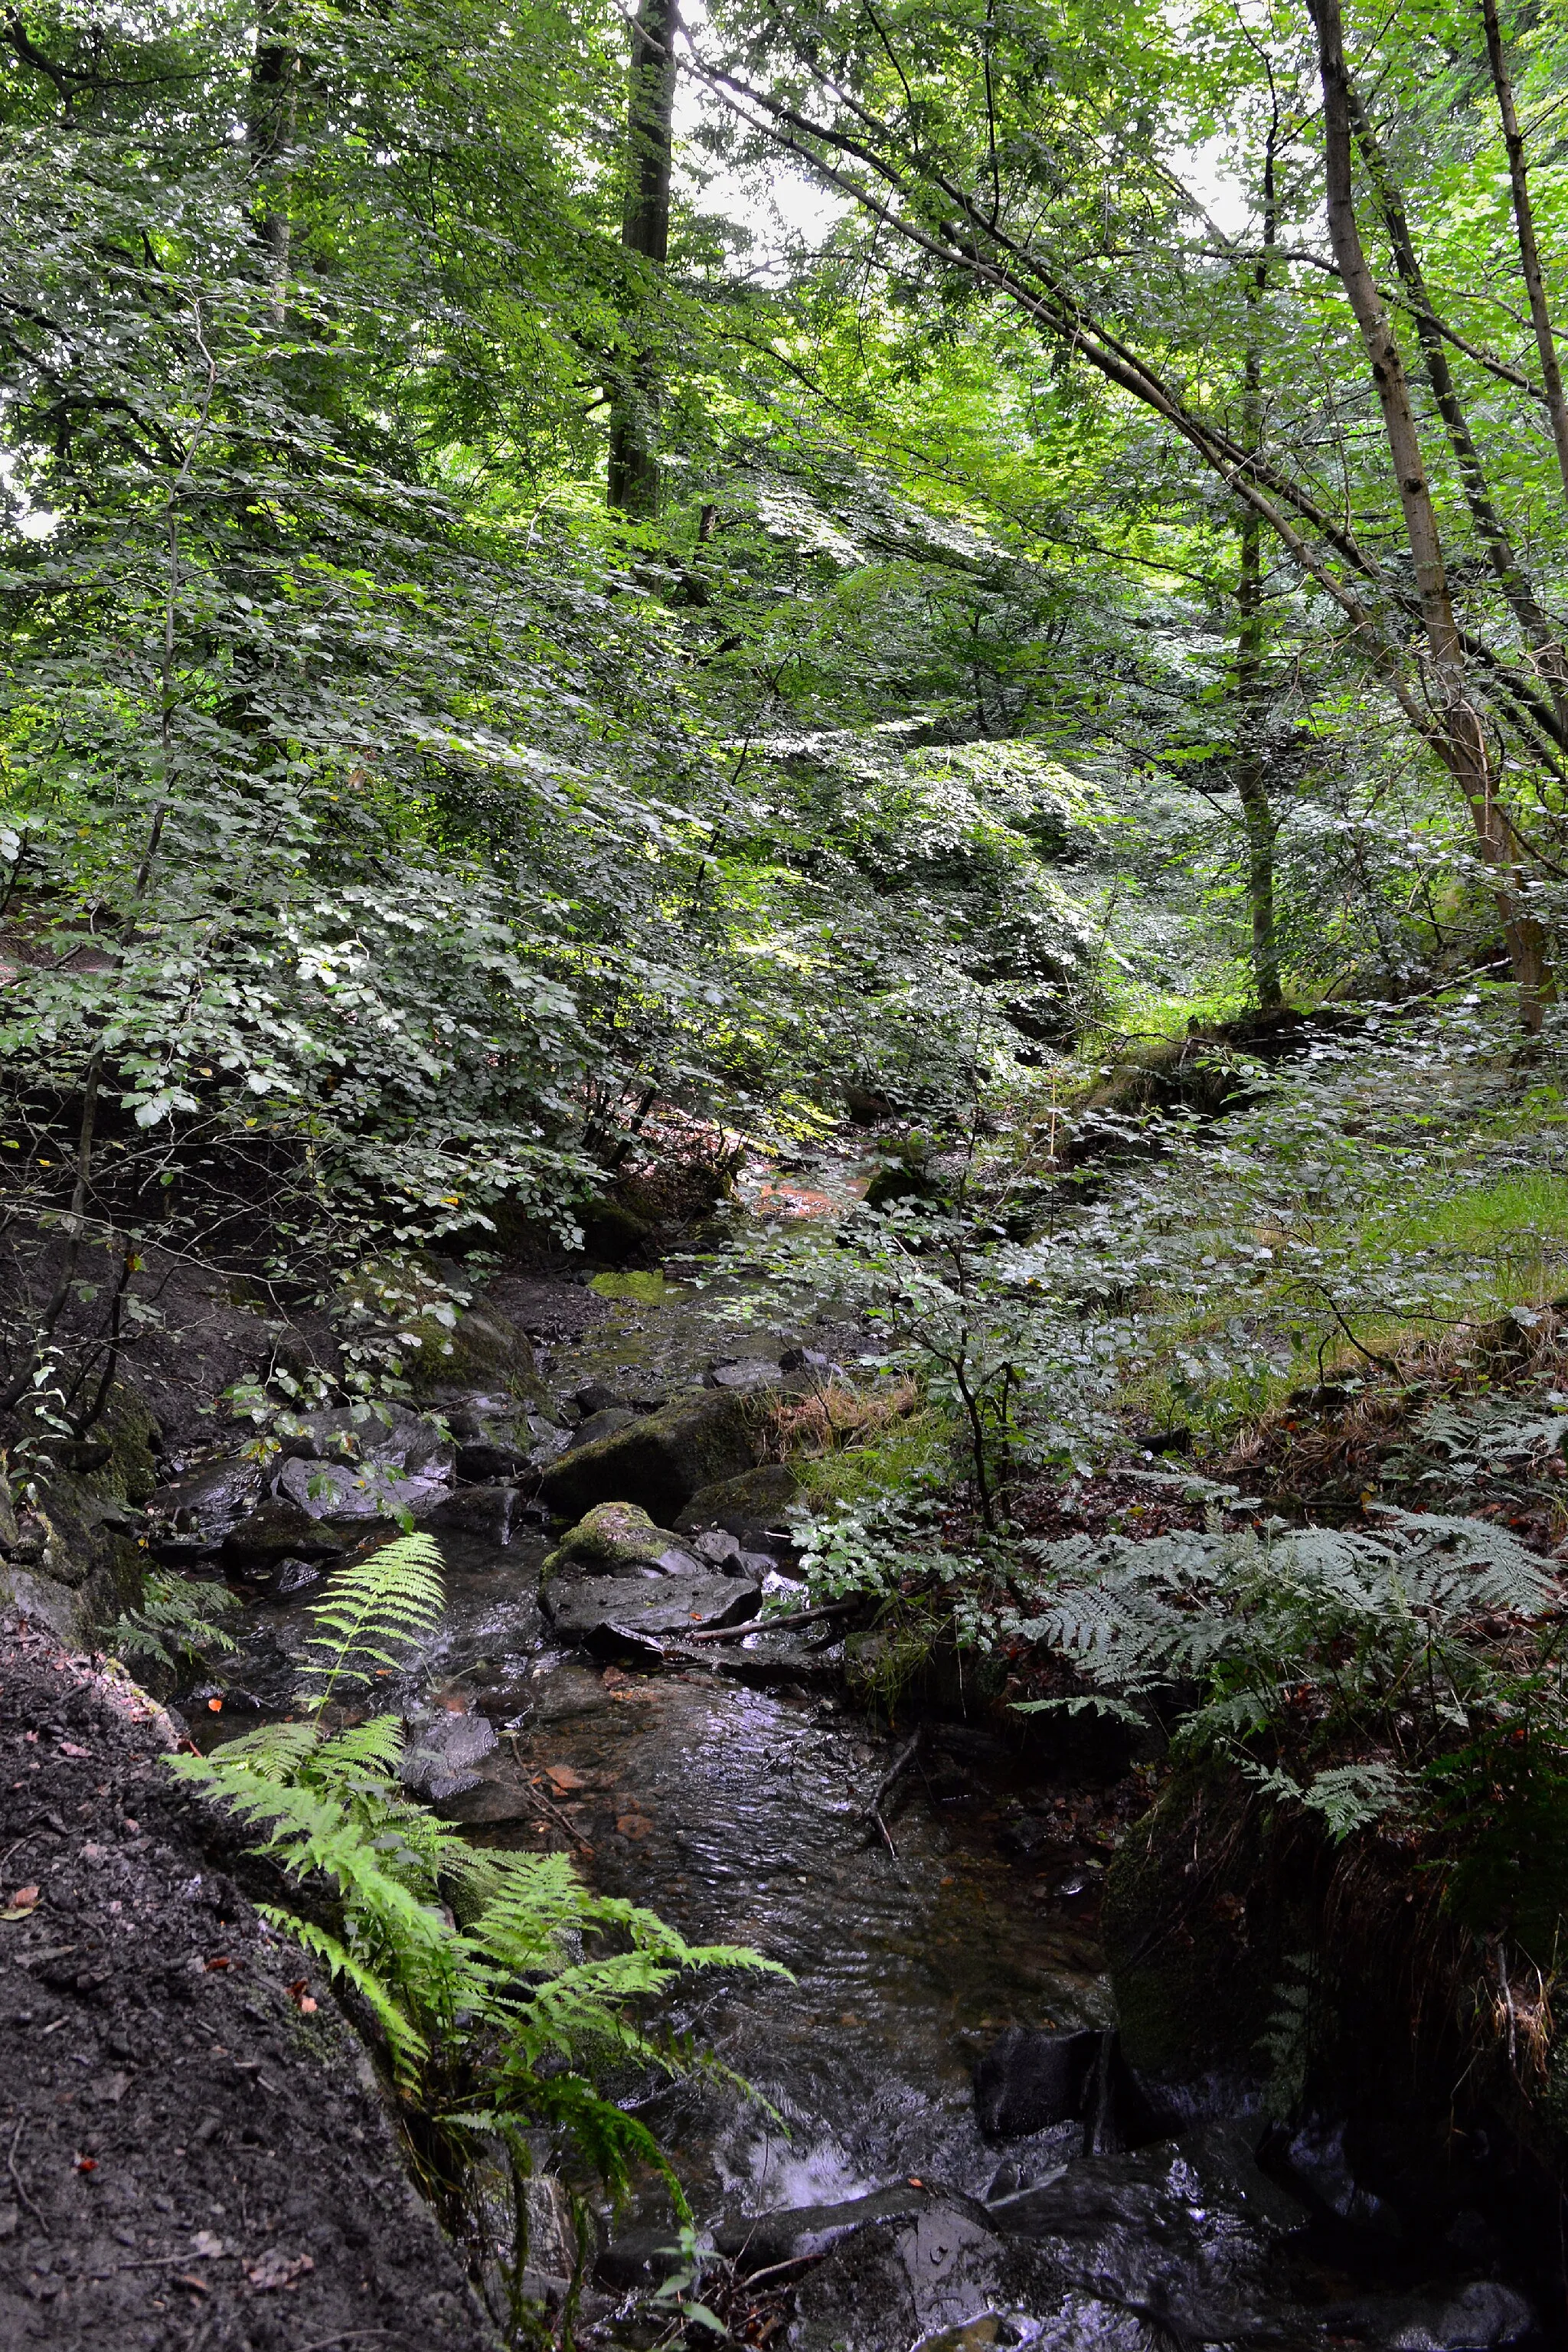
175, 1621
1301, 1647
495, 2020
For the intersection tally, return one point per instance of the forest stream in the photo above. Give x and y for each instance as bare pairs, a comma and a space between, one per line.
945, 2145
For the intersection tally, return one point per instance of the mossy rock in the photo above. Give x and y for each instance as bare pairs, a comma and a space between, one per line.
661, 1460
611, 1230
904, 1180
611, 1537
753, 1503
651, 1287
482, 1350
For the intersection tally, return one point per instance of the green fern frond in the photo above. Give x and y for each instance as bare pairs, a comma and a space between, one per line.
395, 1596
406, 2043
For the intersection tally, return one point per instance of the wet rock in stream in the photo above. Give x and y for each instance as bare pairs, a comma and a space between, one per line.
1029, 2080
661, 1460
651, 1606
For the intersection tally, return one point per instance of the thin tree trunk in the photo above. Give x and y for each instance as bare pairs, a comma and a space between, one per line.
634, 475
1459, 735
1251, 685
1529, 250
1512, 576
270, 132
1251, 695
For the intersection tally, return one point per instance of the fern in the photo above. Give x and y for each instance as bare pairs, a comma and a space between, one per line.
1300, 1645
176, 1619
395, 1596
496, 2019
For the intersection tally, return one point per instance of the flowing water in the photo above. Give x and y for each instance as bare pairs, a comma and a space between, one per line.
742, 1815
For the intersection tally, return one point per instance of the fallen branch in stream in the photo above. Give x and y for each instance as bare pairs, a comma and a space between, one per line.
552, 1812
888, 1781
769, 1625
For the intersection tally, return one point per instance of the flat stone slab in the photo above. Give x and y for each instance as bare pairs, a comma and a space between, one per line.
652, 1605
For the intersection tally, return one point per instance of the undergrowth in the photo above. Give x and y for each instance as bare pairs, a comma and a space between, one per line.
499, 2024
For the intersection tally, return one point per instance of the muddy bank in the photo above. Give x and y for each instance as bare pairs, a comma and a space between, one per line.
189, 2155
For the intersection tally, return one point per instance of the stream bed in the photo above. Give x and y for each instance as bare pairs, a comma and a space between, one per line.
946, 2147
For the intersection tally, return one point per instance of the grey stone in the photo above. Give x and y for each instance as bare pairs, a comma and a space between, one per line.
277, 1528
746, 1375
661, 1460
1030, 2079
1473, 2318
440, 1761
488, 1512
604, 1424
344, 1490
198, 1511
748, 1506
655, 1606
44, 1602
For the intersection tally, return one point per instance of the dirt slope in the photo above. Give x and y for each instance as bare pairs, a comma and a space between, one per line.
187, 2159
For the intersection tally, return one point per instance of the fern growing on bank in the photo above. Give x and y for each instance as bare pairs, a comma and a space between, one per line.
176, 1619
497, 2019
1305, 1649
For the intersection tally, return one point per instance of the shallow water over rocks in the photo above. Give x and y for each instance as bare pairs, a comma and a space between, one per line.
900, 2197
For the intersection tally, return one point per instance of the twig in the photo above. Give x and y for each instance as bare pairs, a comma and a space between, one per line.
899, 1765
21, 2191
874, 1811
754, 2278
767, 1624
539, 1799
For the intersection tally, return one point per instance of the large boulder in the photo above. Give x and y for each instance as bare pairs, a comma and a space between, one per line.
752, 1507
618, 1539
661, 1460
652, 1606
1029, 2080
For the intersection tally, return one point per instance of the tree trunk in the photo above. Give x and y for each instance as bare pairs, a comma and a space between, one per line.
634, 477
1529, 251
1458, 733
1251, 685
1251, 697
1511, 573
270, 132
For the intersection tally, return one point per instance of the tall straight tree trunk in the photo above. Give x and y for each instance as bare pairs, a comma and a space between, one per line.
1457, 733
1529, 250
1251, 784
269, 134
633, 479
1252, 684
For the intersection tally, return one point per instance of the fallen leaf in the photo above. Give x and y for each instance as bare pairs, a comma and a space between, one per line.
634, 1825
206, 2246
188, 2278
23, 1904
87, 2163
562, 1776
219, 1961
277, 2269
70, 1747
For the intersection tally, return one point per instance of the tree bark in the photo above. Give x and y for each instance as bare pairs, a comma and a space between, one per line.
1511, 577
270, 133
1529, 250
1251, 784
1459, 735
1251, 685
634, 472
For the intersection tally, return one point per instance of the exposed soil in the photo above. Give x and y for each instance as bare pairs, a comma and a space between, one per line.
191, 2156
